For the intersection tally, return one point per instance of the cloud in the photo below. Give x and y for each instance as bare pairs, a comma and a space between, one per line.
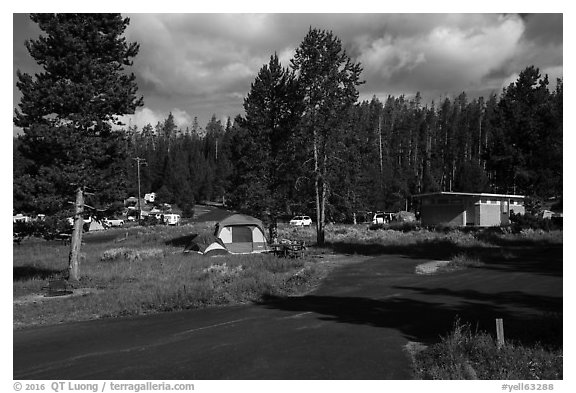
144, 116
451, 56
195, 55
181, 118
205, 63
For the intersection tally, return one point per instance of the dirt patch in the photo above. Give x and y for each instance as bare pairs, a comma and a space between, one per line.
430, 267
323, 265
334, 260
41, 297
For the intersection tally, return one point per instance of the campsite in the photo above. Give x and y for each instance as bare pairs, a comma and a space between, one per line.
139, 269
144, 271
308, 196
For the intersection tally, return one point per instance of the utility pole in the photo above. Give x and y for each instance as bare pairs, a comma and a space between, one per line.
138, 161
380, 143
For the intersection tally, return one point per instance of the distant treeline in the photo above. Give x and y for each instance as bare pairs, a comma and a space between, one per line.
384, 152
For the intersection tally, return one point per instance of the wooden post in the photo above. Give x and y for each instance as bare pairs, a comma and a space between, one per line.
499, 332
76, 239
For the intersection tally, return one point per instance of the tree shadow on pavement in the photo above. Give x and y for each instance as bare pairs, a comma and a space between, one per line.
427, 321
534, 257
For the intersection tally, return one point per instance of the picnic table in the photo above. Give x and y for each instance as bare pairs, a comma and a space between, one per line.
292, 250
64, 238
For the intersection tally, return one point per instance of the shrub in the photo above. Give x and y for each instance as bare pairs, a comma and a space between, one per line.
188, 210
464, 354
131, 254
406, 226
529, 221
444, 228
48, 229
150, 221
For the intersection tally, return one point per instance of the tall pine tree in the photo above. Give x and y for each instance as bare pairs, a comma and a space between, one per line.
268, 173
66, 110
328, 80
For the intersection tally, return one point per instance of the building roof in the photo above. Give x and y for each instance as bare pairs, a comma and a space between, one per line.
481, 194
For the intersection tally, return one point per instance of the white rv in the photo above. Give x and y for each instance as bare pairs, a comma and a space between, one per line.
172, 219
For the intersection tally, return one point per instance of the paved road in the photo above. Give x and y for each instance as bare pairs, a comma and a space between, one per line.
355, 326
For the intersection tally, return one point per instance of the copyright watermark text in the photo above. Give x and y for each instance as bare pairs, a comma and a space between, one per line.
104, 386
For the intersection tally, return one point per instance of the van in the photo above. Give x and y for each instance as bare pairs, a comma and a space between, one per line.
383, 218
172, 219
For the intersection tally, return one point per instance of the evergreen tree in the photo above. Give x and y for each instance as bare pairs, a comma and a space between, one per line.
66, 109
328, 80
527, 135
266, 168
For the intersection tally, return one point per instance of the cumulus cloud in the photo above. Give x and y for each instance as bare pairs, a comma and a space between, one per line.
448, 57
205, 63
196, 55
144, 116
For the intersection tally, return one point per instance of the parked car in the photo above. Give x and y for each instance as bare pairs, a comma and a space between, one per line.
301, 221
20, 218
382, 218
172, 219
113, 222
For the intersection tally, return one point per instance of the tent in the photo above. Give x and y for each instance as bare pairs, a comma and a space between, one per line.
242, 234
207, 244
95, 226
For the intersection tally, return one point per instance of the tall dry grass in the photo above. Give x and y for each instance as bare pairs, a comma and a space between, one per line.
468, 354
146, 272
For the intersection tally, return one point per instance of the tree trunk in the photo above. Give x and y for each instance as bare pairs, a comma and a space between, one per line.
380, 144
273, 229
319, 212
76, 241
319, 188
321, 236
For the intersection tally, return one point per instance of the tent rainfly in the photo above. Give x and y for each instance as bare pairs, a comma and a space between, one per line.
95, 226
207, 244
242, 234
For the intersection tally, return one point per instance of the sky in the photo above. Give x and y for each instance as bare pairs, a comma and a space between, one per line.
199, 65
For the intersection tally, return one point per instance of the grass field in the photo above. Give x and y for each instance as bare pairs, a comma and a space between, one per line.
144, 270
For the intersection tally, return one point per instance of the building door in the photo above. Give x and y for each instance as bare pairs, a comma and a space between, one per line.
470, 213
477, 214
504, 212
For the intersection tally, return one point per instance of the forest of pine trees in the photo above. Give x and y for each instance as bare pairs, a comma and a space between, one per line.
304, 144
385, 153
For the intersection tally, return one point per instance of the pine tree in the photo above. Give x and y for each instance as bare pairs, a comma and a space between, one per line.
328, 80
519, 153
273, 109
66, 110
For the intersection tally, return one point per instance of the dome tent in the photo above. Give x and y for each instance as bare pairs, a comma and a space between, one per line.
95, 225
207, 244
242, 234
